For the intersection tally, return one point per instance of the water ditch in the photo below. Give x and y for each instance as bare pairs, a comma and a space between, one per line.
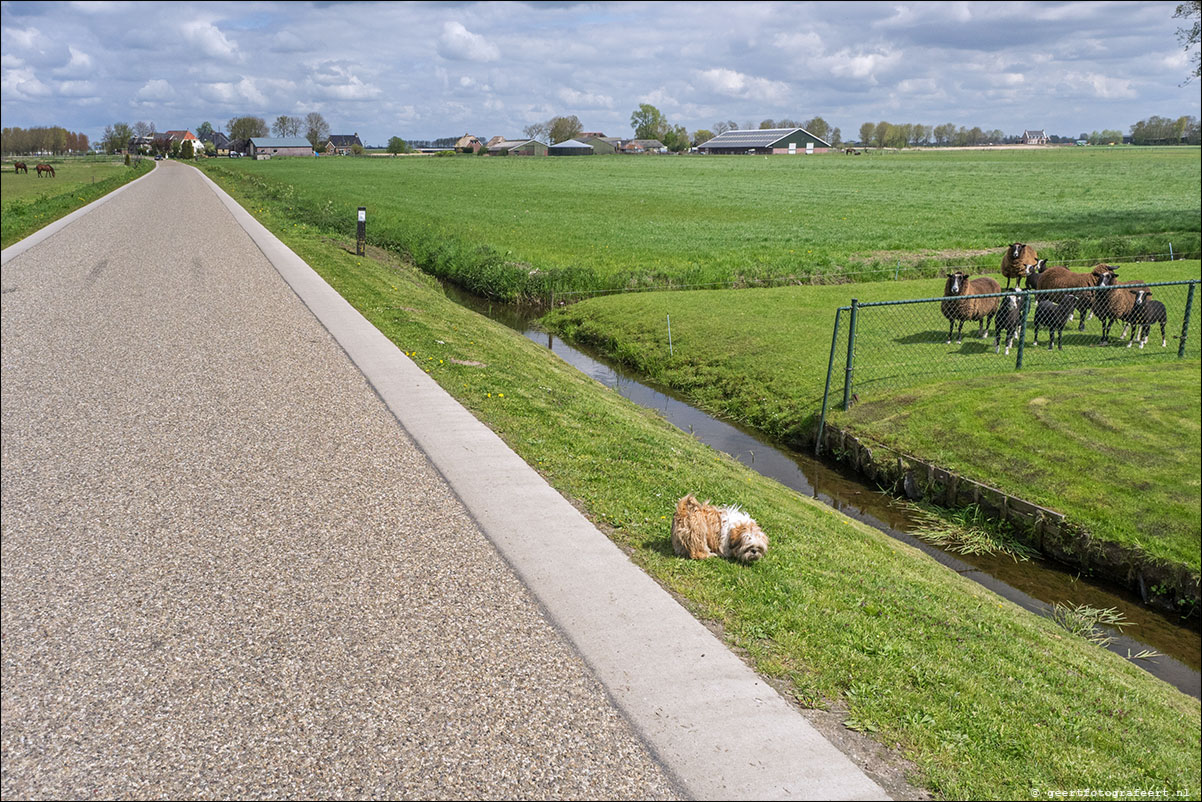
1035, 585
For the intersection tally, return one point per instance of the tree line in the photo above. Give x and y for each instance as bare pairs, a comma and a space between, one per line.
48, 139
118, 135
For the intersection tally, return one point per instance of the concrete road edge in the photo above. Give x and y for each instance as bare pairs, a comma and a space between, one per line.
713, 722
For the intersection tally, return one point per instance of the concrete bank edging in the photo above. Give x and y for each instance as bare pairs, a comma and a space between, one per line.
1045, 529
718, 727
21, 246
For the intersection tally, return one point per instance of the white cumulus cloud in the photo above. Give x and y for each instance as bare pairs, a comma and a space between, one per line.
736, 84
460, 44
155, 90
210, 40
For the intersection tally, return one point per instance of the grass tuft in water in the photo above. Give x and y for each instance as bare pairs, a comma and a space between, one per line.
969, 531
1087, 622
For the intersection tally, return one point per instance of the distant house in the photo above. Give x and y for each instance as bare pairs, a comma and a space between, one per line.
1035, 138
185, 136
341, 144
517, 147
468, 144
263, 147
765, 141
239, 146
585, 136
221, 143
644, 146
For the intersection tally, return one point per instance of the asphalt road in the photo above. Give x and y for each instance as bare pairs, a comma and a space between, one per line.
251, 550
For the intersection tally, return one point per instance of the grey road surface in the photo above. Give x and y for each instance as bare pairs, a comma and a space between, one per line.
227, 570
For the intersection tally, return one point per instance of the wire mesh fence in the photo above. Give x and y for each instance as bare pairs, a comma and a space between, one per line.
879, 348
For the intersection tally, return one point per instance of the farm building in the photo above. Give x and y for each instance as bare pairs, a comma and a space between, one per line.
602, 146
517, 147
570, 147
468, 144
1035, 138
263, 147
764, 141
341, 144
644, 146
221, 143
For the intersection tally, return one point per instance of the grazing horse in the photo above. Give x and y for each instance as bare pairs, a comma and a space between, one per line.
20, 167
44, 168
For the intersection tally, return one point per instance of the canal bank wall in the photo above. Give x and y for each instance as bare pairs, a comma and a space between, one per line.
1166, 586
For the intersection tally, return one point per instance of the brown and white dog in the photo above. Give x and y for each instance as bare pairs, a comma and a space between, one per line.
703, 530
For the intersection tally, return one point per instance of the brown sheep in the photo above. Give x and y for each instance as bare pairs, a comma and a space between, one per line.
1018, 261
1112, 303
1059, 278
964, 306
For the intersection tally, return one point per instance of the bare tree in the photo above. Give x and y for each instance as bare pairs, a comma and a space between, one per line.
317, 130
286, 126
1189, 37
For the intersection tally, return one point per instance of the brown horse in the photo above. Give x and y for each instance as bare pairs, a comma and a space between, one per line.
44, 168
20, 167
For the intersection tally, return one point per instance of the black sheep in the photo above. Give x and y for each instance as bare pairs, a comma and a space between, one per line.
1009, 317
1054, 317
1144, 314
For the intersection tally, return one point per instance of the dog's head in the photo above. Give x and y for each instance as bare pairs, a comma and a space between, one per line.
747, 542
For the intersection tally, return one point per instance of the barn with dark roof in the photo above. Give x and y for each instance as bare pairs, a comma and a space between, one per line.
764, 141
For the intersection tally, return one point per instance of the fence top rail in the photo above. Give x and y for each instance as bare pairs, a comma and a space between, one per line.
1058, 291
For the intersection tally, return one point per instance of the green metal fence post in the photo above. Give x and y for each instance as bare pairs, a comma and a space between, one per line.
851, 349
1189, 308
830, 368
1022, 329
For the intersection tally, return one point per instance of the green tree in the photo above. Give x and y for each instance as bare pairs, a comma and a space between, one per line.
881, 134
356, 149
648, 122
317, 130
818, 127
867, 132
561, 129
397, 145
204, 132
1189, 37
246, 127
116, 137
186, 150
702, 135
676, 139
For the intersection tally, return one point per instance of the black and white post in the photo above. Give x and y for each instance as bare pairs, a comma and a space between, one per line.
361, 239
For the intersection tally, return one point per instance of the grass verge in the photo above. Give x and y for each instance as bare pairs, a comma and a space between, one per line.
985, 699
27, 204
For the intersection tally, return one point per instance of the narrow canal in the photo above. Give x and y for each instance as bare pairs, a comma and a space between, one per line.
1035, 585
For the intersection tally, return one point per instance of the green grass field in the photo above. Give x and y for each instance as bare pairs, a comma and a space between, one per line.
28, 203
985, 700
514, 228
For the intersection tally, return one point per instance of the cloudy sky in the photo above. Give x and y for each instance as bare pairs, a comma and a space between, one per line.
430, 69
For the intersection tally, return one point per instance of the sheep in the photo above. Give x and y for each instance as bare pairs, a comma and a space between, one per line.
1010, 318
1053, 313
1145, 313
1017, 260
963, 307
1111, 303
1056, 278
1034, 273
